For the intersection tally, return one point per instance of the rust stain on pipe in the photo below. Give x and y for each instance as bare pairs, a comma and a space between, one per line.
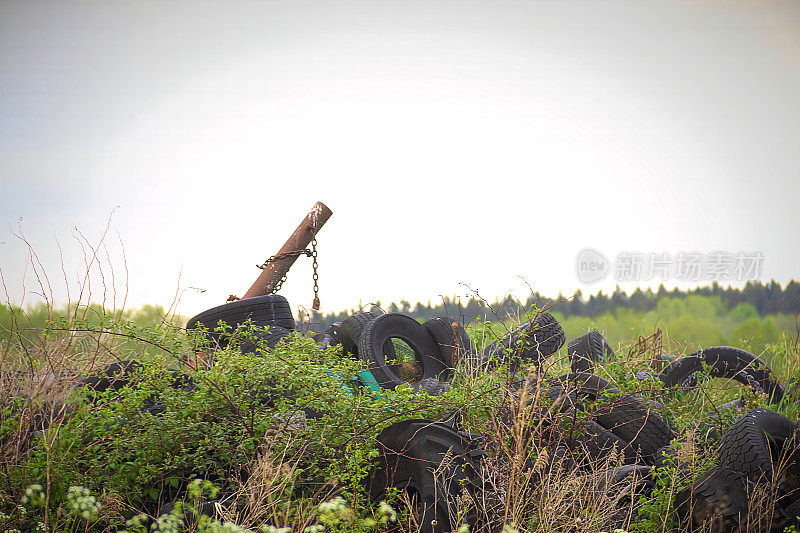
301, 238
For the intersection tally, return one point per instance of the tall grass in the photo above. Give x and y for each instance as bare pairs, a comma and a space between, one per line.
537, 475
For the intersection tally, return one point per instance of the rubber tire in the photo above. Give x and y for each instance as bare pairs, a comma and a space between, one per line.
114, 377
598, 443
547, 336
559, 400
586, 350
373, 346
349, 333
454, 344
333, 332
271, 337
725, 362
409, 452
327, 342
665, 456
717, 501
328, 338
639, 425
790, 514
625, 416
270, 309
118, 375
755, 443
617, 478
618, 475
532, 342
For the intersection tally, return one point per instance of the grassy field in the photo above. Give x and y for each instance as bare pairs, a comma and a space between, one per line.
79, 461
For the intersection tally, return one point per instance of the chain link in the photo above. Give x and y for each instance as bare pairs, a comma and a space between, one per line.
314, 266
312, 253
285, 255
296, 253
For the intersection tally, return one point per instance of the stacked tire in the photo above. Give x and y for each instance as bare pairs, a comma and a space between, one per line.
433, 464
531, 343
617, 423
221, 322
432, 349
436, 467
377, 337
755, 481
587, 350
724, 362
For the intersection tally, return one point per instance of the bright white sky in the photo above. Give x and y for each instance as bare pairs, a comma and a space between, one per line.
456, 142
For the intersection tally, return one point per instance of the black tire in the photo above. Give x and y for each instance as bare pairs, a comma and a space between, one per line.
724, 362
454, 343
717, 501
182, 381
327, 342
623, 473
599, 443
349, 333
546, 336
114, 377
123, 373
179, 381
287, 323
756, 443
790, 514
333, 332
271, 337
551, 399
626, 484
636, 423
376, 341
559, 400
665, 456
533, 342
329, 338
409, 453
587, 350
624, 415
270, 309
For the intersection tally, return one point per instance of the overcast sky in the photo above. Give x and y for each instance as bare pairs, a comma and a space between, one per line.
478, 143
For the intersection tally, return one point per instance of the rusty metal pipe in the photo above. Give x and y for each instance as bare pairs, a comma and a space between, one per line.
302, 236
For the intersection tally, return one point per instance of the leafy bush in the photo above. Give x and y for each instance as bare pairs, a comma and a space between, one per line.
285, 437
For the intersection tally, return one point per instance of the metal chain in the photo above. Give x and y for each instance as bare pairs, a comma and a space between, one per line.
297, 253
314, 266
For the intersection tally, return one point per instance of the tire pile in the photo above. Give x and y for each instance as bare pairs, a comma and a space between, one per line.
439, 464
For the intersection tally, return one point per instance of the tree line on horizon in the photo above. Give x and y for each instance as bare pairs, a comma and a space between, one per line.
767, 298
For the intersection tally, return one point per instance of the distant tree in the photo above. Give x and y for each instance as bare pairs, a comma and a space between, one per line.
638, 300
791, 298
765, 299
